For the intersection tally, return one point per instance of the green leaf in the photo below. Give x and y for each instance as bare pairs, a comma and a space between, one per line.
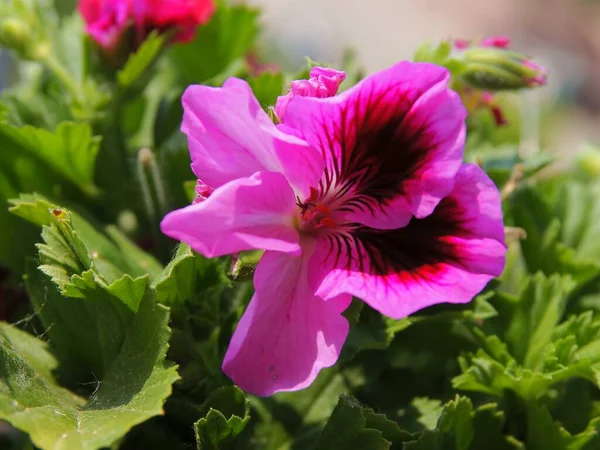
139, 62
427, 52
267, 87
373, 331
57, 419
85, 333
545, 249
187, 275
539, 310
219, 45
545, 434
454, 428
577, 206
352, 426
73, 245
429, 411
227, 412
69, 152
460, 427
488, 424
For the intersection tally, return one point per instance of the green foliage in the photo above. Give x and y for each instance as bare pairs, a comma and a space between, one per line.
31, 399
227, 415
219, 46
140, 61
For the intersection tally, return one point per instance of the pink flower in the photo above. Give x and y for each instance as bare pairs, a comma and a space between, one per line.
491, 41
324, 82
361, 194
495, 41
108, 21
182, 16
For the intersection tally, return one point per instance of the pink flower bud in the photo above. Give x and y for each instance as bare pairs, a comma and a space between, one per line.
203, 191
323, 82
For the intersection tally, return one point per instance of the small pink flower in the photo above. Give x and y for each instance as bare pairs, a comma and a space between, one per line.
323, 82
491, 41
108, 21
495, 41
202, 191
540, 74
360, 194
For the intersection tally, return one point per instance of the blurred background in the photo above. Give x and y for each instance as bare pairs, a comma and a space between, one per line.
562, 35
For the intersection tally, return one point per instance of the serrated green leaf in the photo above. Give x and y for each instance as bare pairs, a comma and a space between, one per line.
139, 62
543, 433
347, 429
540, 308
85, 333
547, 248
227, 411
72, 245
69, 151
488, 424
57, 419
429, 411
177, 282
454, 428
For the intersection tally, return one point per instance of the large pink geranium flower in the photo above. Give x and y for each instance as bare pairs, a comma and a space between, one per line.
360, 194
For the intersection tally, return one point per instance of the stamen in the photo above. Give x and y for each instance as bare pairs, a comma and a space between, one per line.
322, 208
326, 222
314, 215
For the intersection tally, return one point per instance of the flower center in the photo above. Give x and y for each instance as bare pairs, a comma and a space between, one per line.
313, 214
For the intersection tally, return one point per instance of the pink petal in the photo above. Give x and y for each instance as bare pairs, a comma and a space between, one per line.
182, 16
393, 142
106, 20
287, 335
244, 214
230, 136
448, 256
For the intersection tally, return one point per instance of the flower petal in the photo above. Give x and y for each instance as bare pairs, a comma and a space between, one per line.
393, 142
448, 256
230, 136
248, 213
287, 335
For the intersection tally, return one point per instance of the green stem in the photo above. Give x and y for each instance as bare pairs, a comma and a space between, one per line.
61, 73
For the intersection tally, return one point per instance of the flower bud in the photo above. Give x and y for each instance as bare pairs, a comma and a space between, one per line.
244, 264
495, 69
14, 34
587, 162
127, 221
323, 82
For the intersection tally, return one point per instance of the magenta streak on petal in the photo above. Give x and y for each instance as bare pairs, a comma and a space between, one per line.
287, 334
244, 214
448, 256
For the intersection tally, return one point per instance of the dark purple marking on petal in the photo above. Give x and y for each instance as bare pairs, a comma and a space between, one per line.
379, 150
